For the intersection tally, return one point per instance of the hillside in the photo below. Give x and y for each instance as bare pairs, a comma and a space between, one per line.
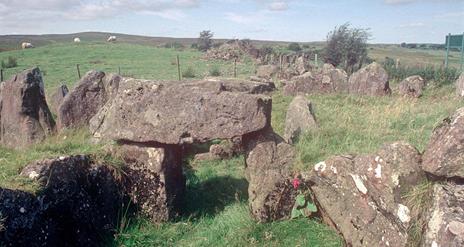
12, 42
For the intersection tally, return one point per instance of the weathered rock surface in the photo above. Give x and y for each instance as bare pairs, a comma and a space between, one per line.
444, 155
361, 195
77, 203
460, 85
301, 65
24, 115
224, 150
412, 86
86, 99
261, 86
57, 97
445, 227
179, 112
371, 80
267, 71
327, 80
300, 118
269, 162
155, 182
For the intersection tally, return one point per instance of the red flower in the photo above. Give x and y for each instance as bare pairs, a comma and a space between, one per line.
296, 183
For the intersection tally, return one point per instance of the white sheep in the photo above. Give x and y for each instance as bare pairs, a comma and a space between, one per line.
111, 39
77, 40
26, 45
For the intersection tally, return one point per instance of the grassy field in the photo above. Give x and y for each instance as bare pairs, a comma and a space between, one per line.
414, 57
216, 213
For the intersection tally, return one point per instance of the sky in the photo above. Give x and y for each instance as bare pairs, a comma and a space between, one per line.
389, 21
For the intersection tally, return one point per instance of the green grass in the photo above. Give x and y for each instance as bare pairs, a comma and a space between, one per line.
216, 211
216, 214
58, 62
353, 124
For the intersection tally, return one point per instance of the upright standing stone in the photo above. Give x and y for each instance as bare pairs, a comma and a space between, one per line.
269, 162
371, 80
300, 118
155, 182
86, 99
24, 115
58, 97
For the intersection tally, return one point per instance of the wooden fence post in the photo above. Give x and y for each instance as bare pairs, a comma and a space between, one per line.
448, 39
235, 68
78, 71
1, 74
119, 70
178, 68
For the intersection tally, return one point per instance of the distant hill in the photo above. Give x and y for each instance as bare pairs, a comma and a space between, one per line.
13, 42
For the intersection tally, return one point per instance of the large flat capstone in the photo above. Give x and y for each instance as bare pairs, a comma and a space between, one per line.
173, 112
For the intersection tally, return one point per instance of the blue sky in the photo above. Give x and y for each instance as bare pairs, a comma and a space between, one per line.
390, 21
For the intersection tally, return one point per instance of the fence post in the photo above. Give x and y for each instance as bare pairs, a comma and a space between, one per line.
178, 68
1, 74
78, 71
315, 60
235, 68
119, 70
448, 39
280, 63
462, 51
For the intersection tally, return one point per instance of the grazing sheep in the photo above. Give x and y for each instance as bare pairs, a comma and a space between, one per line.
77, 40
111, 39
26, 45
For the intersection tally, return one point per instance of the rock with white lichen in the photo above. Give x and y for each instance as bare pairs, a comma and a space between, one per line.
445, 227
444, 155
361, 196
460, 85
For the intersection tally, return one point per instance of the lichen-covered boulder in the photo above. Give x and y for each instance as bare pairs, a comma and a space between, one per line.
269, 162
180, 112
300, 118
460, 85
371, 80
57, 97
155, 182
86, 99
445, 227
24, 114
361, 196
444, 155
412, 86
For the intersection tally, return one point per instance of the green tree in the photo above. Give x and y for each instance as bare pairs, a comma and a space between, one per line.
205, 41
294, 47
347, 46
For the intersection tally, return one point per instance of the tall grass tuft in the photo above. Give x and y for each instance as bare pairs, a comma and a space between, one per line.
439, 75
11, 62
189, 73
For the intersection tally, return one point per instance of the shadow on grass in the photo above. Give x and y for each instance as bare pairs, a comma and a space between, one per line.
211, 196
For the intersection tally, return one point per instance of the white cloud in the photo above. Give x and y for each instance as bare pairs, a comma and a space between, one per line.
22, 11
412, 24
278, 6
